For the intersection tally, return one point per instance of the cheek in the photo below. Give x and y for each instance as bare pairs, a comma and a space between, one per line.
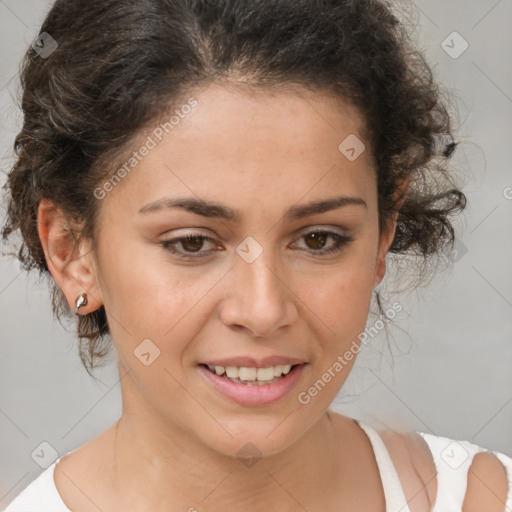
340, 296
149, 298
342, 305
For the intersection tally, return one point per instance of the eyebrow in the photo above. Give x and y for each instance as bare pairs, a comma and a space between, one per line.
215, 210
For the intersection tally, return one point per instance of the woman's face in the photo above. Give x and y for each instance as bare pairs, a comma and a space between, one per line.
251, 289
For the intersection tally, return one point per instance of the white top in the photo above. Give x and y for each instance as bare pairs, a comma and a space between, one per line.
452, 460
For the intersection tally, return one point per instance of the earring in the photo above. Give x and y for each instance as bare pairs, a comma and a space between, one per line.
81, 300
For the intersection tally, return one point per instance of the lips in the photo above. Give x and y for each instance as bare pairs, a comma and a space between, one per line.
257, 394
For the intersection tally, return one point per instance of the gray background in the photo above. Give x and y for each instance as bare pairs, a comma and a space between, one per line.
451, 369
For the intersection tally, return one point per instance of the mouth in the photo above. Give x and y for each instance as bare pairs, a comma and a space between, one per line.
252, 386
252, 376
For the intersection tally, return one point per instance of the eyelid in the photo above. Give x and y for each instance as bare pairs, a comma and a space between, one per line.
321, 227
341, 240
214, 237
194, 234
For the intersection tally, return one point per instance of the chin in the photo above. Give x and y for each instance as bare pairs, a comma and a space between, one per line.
251, 435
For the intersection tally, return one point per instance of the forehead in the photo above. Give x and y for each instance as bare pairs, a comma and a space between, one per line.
291, 119
248, 145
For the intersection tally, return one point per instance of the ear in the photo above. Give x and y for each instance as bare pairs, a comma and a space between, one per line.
388, 233
71, 262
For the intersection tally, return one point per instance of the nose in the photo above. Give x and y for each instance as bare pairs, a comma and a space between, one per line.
259, 298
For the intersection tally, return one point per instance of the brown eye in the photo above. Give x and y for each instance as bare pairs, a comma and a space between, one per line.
191, 246
317, 240
192, 243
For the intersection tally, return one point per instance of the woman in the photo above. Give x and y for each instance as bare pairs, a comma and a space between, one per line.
214, 187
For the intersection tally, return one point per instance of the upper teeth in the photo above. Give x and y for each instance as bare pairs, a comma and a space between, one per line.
245, 373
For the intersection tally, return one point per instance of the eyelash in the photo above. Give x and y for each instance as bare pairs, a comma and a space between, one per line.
340, 242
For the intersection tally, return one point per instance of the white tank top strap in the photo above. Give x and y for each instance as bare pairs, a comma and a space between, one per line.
452, 460
507, 463
393, 492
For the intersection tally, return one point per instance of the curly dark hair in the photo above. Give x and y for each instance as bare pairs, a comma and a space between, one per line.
122, 64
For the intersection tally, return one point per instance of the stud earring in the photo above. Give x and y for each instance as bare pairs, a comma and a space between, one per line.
81, 300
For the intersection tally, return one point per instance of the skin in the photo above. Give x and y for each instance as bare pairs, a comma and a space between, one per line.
175, 445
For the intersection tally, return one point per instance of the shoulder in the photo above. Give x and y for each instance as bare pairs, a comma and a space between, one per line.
483, 478
40, 495
53, 490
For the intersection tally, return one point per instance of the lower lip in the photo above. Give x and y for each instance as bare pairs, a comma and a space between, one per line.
252, 396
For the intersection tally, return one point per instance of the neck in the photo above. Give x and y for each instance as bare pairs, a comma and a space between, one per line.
171, 469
